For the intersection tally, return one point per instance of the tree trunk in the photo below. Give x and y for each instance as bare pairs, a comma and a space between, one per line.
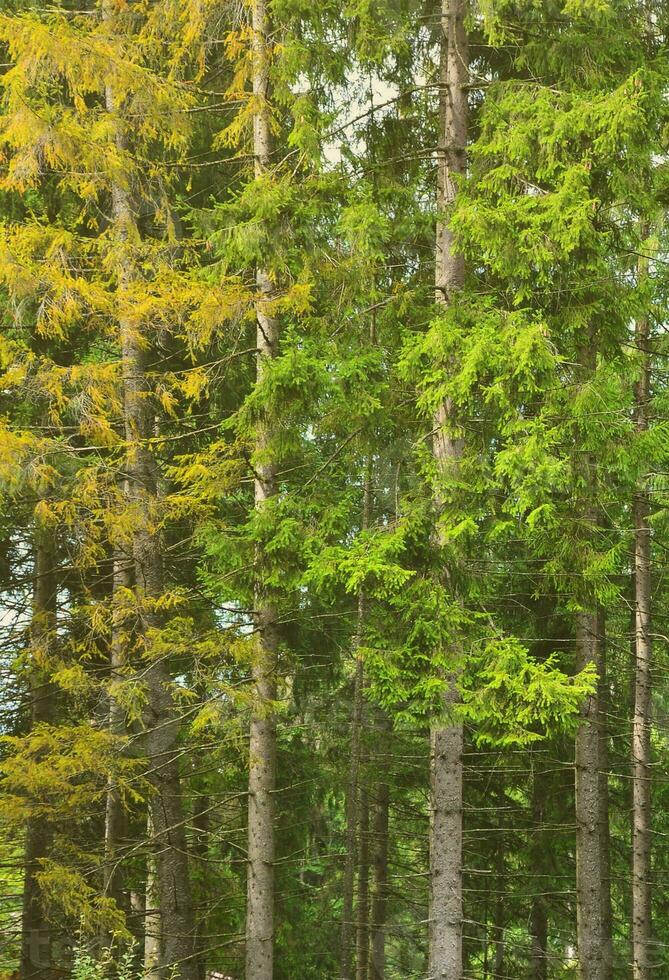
200, 850
115, 818
377, 966
346, 935
353, 792
589, 892
362, 905
539, 914
262, 745
35, 931
604, 827
160, 723
641, 771
152, 957
445, 933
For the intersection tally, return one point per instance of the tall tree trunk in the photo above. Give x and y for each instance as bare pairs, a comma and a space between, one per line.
35, 930
588, 785
377, 958
262, 745
115, 818
152, 943
445, 933
200, 850
352, 791
641, 771
362, 905
604, 826
160, 722
539, 913
589, 894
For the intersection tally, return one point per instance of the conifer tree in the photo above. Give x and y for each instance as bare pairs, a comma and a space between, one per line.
446, 765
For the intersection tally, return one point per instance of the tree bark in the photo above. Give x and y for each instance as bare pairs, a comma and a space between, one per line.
446, 782
641, 771
604, 826
588, 784
200, 849
152, 943
115, 818
262, 745
589, 892
377, 966
362, 904
346, 934
35, 930
539, 914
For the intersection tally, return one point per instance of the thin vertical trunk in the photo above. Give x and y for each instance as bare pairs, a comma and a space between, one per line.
353, 792
604, 827
589, 894
115, 818
35, 931
641, 771
539, 914
499, 918
445, 933
588, 801
262, 744
362, 904
200, 850
377, 958
152, 957
160, 722
346, 935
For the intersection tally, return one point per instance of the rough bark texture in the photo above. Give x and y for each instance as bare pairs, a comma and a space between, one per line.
35, 931
539, 914
115, 818
377, 951
160, 723
590, 909
604, 824
152, 970
353, 801
445, 932
589, 892
200, 850
262, 746
362, 905
348, 885
641, 772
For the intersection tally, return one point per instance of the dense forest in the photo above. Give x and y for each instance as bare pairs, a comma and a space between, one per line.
334, 489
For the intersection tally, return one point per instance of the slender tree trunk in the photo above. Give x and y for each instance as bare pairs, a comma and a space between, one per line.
362, 905
588, 785
445, 933
498, 962
160, 722
346, 934
200, 850
377, 959
604, 826
35, 930
152, 943
115, 818
262, 746
539, 914
353, 791
589, 894
641, 771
